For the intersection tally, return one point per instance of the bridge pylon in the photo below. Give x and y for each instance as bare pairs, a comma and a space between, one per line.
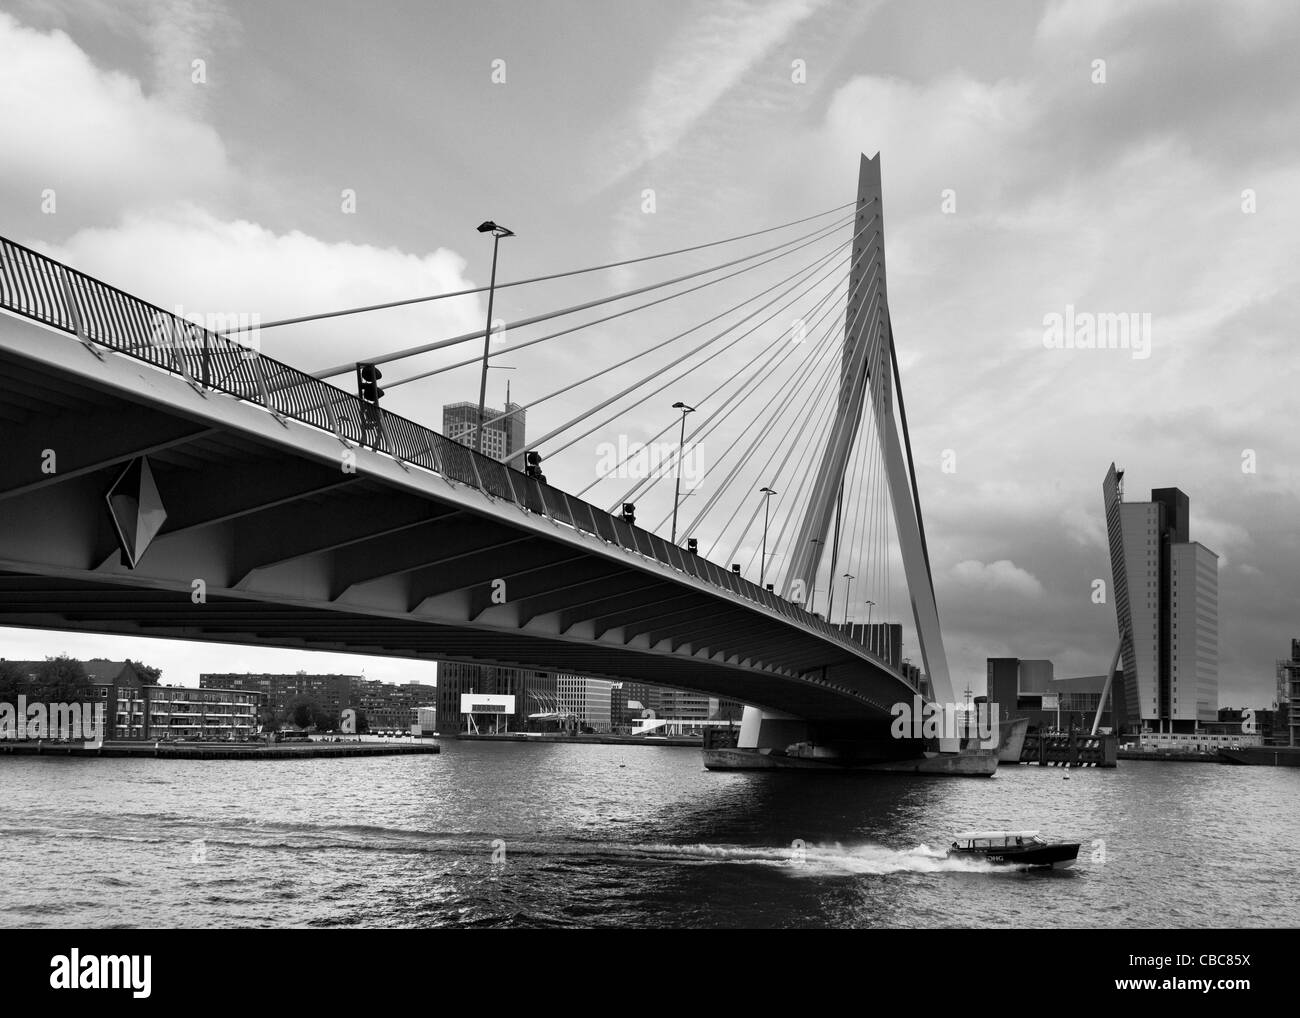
869, 365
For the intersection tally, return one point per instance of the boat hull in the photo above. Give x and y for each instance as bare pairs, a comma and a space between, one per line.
1063, 855
1262, 756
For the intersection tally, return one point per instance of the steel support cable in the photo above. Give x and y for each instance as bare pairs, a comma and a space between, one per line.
845, 414
700, 435
837, 347
536, 279
802, 493
884, 499
672, 381
652, 349
713, 500
710, 424
869, 542
778, 410
773, 350
847, 488
779, 473
867, 527
854, 481
669, 426
617, 314
861, 524
697, 434
778, 407
849, 326
879, 477
819, 427
480, 333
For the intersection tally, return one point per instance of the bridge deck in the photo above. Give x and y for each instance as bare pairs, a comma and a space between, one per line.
302, 536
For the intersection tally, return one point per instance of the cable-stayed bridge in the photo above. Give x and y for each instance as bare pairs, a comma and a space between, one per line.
158, 478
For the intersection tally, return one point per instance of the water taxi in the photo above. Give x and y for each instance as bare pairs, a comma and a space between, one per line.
1014, 848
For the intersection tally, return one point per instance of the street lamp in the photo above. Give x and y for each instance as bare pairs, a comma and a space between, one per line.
871, 635
848, 596
767, 501
497, 233
681, 446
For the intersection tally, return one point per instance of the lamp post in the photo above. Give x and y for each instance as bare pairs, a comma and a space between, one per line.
767, 501
497, 233
871, 634
681, 446
848, 596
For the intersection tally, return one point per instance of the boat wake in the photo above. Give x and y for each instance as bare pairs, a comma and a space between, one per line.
828, 860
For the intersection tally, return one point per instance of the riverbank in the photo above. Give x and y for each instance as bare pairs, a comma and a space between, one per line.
220, 751
597, 740
1168, 756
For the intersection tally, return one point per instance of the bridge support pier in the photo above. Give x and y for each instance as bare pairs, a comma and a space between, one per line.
761, 729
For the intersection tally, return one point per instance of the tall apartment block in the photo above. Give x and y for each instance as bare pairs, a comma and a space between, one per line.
502, 439
1166, 593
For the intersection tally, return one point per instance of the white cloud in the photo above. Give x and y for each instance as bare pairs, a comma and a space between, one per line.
1000, 577
714, 52
1085, 526
188, 257
93, 135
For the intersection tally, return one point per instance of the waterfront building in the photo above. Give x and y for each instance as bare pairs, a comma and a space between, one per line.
1030, 689
1167, 600
534, 692
587, 699
388, 706
137, 708
280, 691
620, 715
183, 712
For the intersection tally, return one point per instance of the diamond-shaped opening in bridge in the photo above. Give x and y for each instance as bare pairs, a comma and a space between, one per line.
136, 508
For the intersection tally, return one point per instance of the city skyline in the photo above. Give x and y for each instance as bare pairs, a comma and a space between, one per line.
1072, 197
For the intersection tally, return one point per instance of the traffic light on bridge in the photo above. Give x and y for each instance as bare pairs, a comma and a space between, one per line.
368, 391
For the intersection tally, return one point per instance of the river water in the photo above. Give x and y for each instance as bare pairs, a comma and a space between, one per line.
517, 834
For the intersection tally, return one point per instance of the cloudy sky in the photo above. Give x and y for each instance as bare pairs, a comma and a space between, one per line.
285, 159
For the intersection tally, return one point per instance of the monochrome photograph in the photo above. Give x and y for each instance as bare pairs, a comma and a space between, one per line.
764, 465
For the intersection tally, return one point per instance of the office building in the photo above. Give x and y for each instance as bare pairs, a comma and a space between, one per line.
587, 699
534, 692
1166, 594
501, 439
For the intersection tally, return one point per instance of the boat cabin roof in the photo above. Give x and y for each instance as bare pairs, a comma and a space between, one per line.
995, 835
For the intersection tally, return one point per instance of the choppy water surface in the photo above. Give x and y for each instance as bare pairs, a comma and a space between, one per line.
570, 835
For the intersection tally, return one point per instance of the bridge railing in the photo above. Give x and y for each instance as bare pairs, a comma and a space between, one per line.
103, 316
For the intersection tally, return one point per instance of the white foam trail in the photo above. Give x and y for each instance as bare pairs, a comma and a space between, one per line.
829, 860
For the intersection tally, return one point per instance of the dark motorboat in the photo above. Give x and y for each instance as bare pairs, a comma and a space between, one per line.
1014, 848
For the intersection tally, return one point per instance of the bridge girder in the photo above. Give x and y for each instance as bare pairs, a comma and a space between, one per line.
393, 560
